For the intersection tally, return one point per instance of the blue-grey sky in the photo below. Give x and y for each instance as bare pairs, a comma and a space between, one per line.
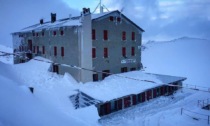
161, 19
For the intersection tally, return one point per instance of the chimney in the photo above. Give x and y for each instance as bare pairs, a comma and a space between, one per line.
86, 11
53, 17
41, 21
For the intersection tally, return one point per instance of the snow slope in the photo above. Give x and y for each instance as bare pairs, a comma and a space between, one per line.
187, 57
6, 59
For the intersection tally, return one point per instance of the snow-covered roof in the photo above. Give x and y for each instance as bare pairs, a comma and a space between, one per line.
115, 87
73, 21
57, 24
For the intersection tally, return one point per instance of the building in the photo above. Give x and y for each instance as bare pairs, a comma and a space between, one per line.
108, 42
120, 94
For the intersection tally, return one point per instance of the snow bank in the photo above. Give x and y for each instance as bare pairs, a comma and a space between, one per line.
20, 108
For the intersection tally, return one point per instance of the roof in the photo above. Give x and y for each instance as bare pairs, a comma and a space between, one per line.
114, 87
73, 21
96, 16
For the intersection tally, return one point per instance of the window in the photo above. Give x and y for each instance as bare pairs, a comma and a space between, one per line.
95, 77
132, 51
105, 35
42, 33
61, 32
111, 18
55, 51
62, 51
123, 35
33, 34
123, 51
118, 19
105, 52
133, 36
105, 74
93, 34
93, 52
37, 49
43, 50
133, 69
34, 49
54, 33
124, 69
37, 34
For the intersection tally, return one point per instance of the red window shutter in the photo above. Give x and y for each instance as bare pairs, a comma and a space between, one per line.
133, 36
61, 32
132, 51
55, 51
37, 49
54, 33
105, 52
62, 51
93, 34
123, 51
43, 50
123, 35
111, 18
93, 52
105, 35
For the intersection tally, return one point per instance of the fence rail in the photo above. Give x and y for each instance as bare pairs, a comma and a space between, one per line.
204, 103
195, 115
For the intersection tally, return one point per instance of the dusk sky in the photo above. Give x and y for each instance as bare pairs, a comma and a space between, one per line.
161, 19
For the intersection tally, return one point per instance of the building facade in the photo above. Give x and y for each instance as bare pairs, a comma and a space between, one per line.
106, 42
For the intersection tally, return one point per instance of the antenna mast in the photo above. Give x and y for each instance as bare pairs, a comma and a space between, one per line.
101, 7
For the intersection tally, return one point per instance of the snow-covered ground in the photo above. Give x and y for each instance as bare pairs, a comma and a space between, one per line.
6, 59
50, 104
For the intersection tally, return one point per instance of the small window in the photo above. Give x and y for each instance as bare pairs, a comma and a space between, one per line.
37, 49
55, 51
54, 33
43, 50
105, 35
118, 19
105, 52
20, 48
37, 34
42, 33
123, 35
62, 51
95, 77
93, 34
124, 69
33, 34
111, 18
61, 32
93, 52
132, 51
123, 51
133, 36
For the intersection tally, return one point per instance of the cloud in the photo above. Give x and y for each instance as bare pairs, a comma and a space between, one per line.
164, 19
17, 14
